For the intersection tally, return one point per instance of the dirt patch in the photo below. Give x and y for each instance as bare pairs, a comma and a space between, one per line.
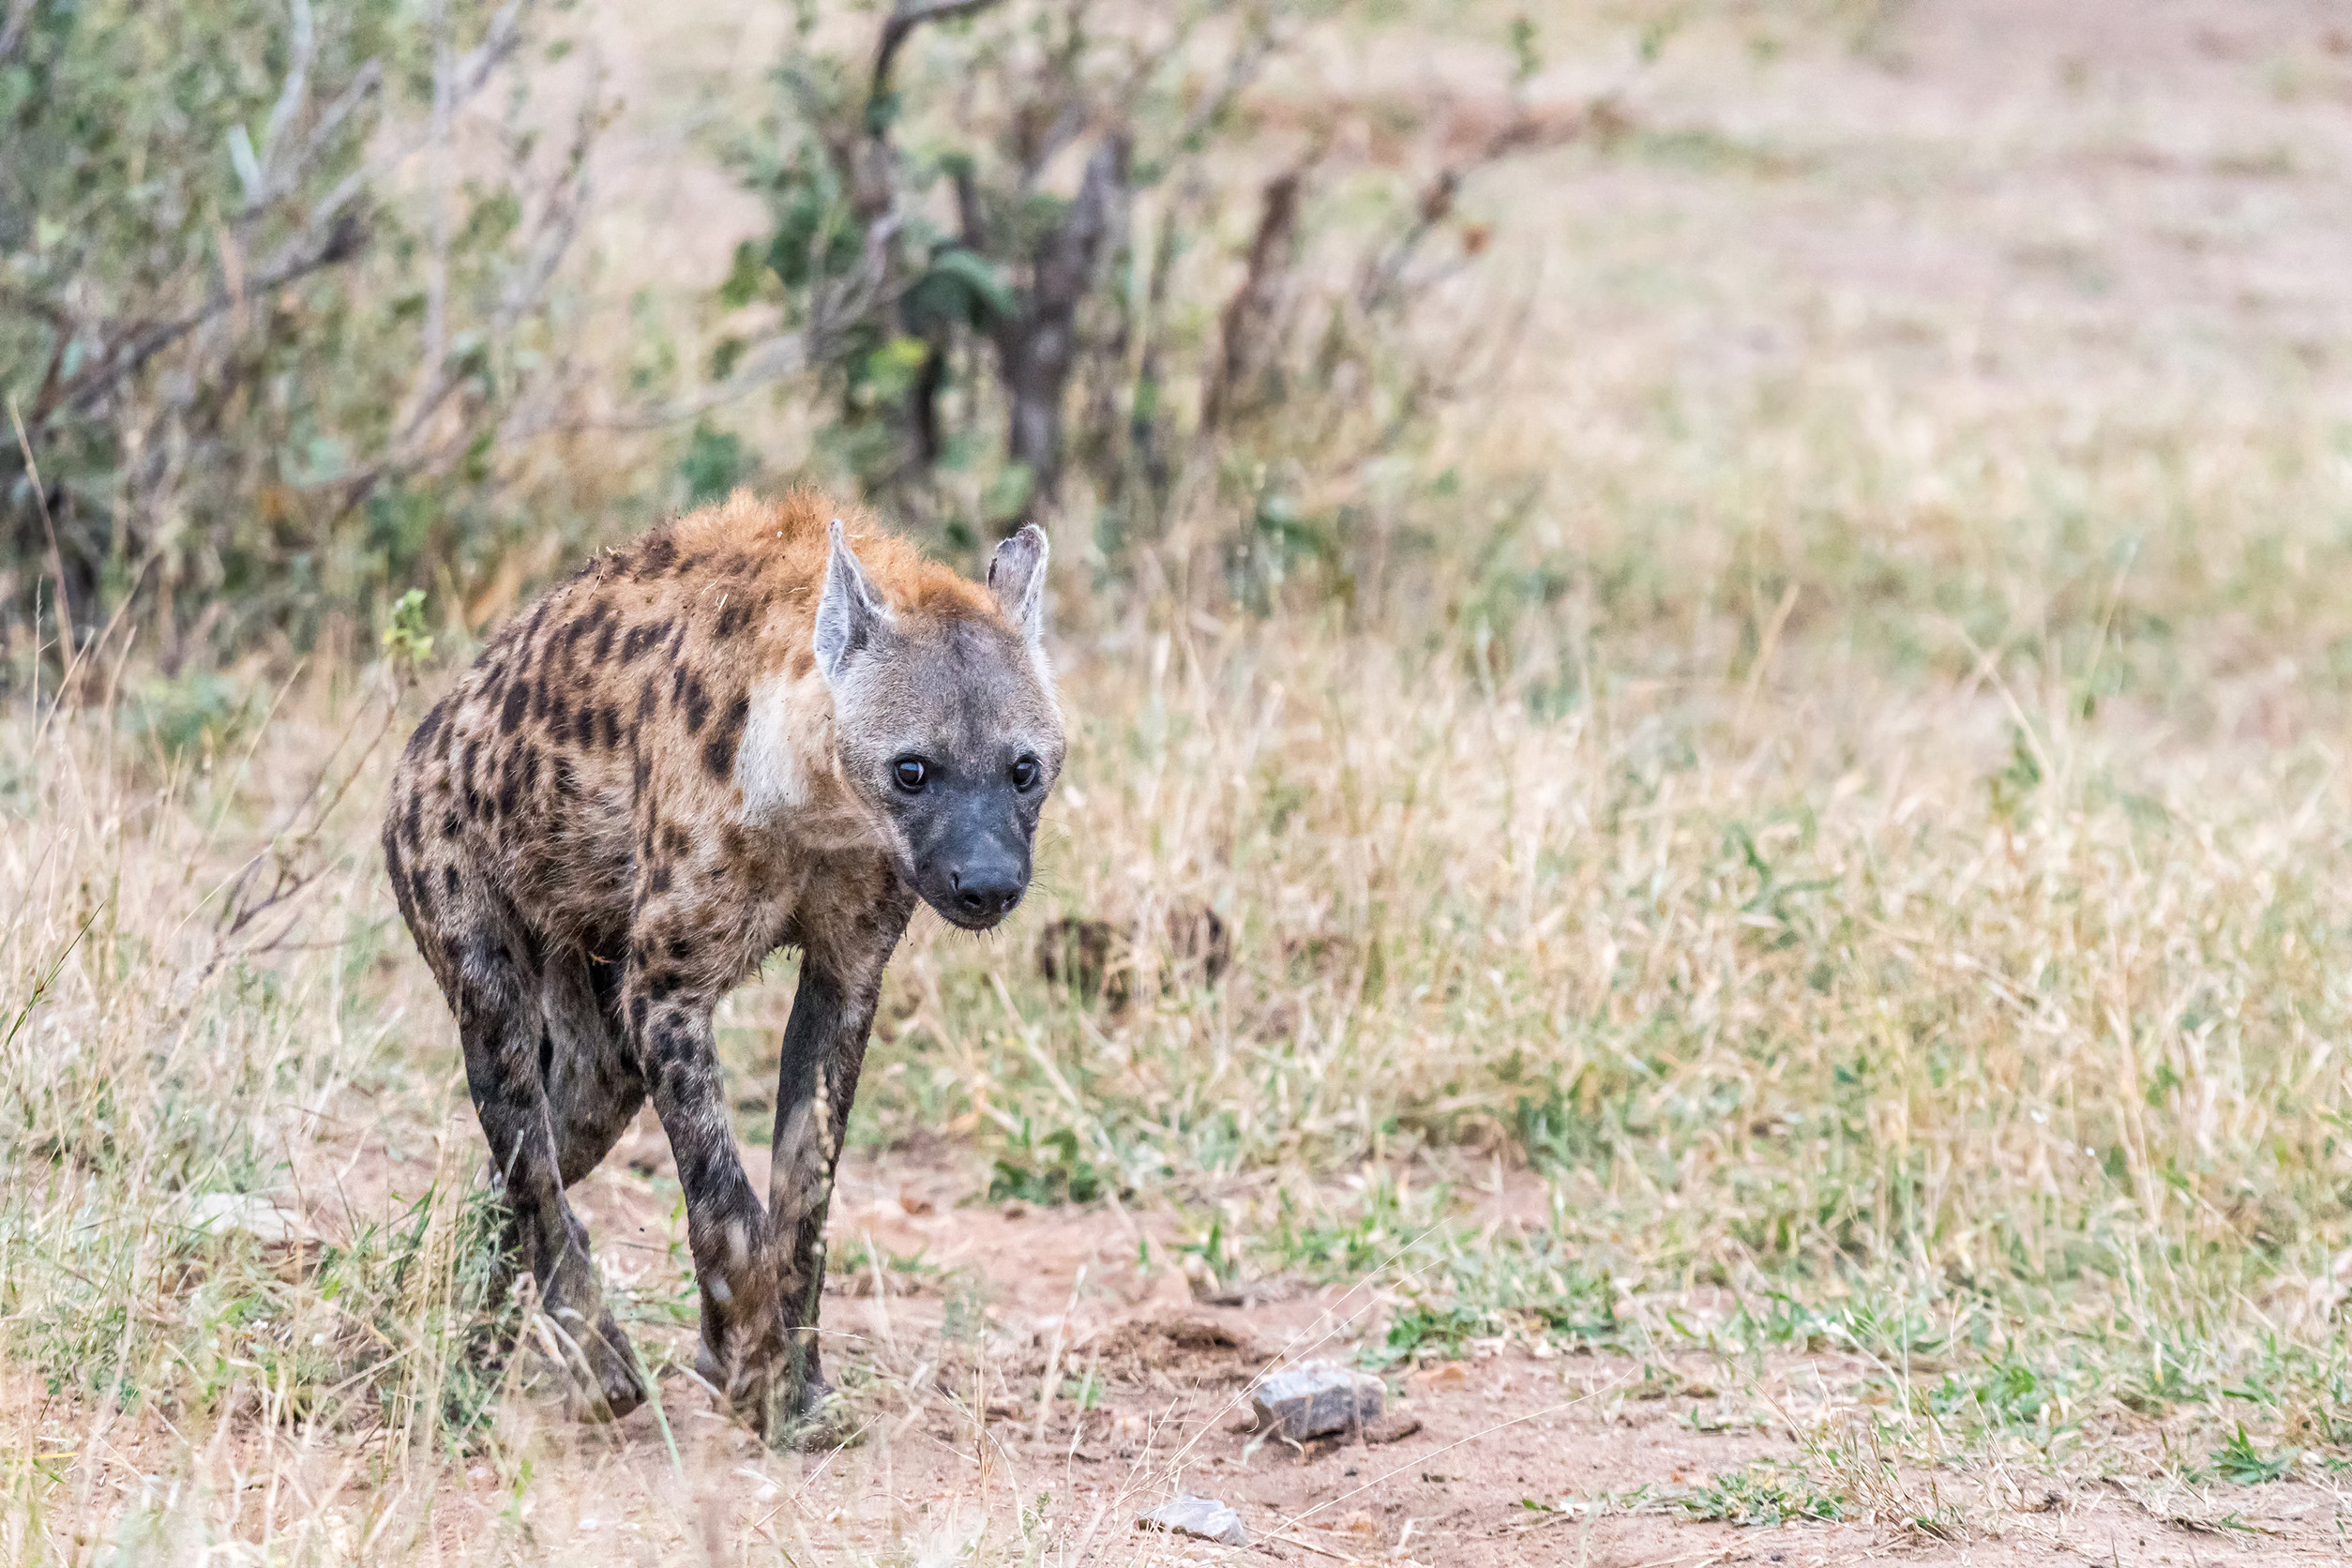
1177, 1352
1006, 1351
1016, 1372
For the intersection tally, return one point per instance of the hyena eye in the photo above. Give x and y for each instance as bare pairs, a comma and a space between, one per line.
1025, 774
910, 772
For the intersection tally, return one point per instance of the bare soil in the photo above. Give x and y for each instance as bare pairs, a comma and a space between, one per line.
947, 1314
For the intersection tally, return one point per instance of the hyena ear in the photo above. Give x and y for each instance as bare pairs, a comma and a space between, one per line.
849, 612
1017, 576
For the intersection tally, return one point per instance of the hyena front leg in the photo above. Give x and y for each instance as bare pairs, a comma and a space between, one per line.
725, 1231
824, 1050
504, 1039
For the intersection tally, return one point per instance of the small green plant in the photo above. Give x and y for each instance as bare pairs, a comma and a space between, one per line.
1085, 1392
857, 1262
1049, 1171
1759, 1494
965, 1317
713, 463
1422, 1332
2241, 1464
201, 712
2006, 1390
2011, 788
406, 642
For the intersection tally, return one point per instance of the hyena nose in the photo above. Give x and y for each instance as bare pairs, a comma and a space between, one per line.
984, 892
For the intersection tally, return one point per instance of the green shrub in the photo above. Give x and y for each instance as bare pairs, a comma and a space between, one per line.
264, 371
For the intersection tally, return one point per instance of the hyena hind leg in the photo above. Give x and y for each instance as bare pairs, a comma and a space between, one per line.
591, 1081
509, 1046
590, 1072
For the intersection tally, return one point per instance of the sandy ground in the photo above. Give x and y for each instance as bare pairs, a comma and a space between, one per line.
964, 1311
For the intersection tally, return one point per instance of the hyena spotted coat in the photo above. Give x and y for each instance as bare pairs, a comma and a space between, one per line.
757, 727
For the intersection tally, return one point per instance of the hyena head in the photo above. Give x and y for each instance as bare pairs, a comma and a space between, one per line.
946, 724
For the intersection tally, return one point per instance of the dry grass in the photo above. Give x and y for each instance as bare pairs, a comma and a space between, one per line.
1851, 856
1842, 1013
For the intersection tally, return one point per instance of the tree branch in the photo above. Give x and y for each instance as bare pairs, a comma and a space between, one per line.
12, 31
343, 236
1249, 315
1038, 347
291, 98
498, 44
907, 16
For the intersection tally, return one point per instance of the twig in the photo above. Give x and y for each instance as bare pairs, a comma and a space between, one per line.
1310, 1546
433, 378
907, 16
291, 98
1436, 204
345, 235
20, 12
1249, 316
40, 498
1053, 1361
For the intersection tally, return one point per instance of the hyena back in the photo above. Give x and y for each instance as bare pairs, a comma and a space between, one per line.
753, 728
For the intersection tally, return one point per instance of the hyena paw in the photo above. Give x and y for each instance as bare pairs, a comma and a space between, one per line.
605, 1383
792, 1409
815, 1420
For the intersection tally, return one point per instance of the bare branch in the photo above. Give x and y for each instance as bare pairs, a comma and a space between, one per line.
1382, 277
1040, 147
48, 310
56, 556
340, 237
1249, 59
559, 222
283, 181
291, 98
12, 31
1249, 315
498, 45
834, 311
433, 377
1038, 347
970, 219
907, 16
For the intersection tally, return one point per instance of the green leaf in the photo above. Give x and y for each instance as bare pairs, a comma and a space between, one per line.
978, 274
713, 464
743, 279
405, 640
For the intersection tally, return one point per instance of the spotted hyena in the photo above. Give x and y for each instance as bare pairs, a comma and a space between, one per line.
758, 727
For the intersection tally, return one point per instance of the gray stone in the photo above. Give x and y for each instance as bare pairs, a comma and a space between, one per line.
219, 1213
1314, 1399
1203, 1519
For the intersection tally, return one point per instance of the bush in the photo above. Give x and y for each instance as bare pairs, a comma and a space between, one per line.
266, 359
1000, 259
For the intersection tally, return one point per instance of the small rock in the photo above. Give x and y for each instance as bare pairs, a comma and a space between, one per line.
1203, 1519
1443, 1377
218, 1213
1313, 1399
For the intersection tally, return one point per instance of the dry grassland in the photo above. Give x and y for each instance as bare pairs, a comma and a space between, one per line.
1796, 1011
